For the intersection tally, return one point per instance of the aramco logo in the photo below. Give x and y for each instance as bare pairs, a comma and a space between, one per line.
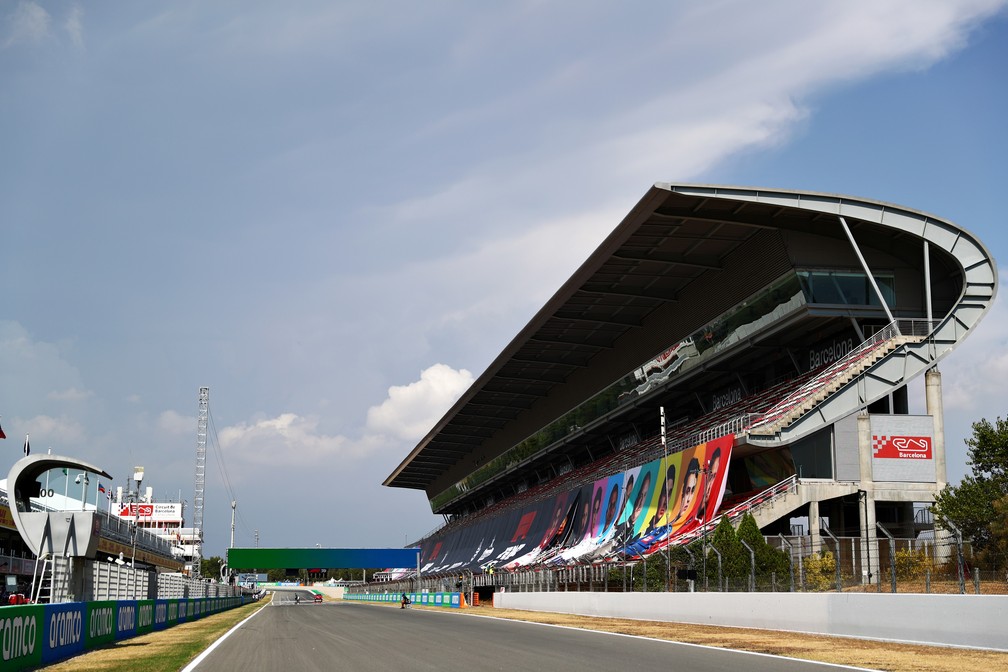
17, 636
65, 627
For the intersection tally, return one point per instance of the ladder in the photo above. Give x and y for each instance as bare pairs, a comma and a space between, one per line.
42, 580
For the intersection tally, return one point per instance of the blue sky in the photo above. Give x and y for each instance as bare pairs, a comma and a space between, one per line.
335, 215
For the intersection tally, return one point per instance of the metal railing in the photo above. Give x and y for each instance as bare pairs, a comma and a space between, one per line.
911, 329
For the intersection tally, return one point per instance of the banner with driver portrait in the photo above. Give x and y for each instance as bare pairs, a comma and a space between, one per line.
626, 514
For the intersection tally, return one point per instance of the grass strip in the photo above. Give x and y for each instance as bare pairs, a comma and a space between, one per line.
161, 651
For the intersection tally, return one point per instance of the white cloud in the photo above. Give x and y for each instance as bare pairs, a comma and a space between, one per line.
173, 422
410, 411
32, 370
70, 394
27, 24
973, 376
286, 440
62, 434
74, 25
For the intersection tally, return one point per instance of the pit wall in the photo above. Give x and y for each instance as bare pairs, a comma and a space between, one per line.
975, 621
35, 635
450, 600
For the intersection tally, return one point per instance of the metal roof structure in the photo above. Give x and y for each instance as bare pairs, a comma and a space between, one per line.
682, 255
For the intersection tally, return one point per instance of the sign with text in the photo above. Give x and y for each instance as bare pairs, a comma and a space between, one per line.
903, 448
157, 512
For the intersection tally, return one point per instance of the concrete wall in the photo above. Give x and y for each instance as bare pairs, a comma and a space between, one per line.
335, 592
950, 620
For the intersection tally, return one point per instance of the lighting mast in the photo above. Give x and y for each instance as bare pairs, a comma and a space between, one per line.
201, 442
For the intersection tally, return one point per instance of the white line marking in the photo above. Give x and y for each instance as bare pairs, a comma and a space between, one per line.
199, 659
671, 641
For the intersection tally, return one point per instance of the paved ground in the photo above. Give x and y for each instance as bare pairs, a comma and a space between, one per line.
347, 636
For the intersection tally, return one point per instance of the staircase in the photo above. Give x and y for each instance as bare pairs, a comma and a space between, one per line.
831, 379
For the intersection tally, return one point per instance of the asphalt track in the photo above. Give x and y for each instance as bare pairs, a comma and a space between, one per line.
352, 636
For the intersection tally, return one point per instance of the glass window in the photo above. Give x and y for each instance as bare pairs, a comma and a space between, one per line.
849, 288
813, 455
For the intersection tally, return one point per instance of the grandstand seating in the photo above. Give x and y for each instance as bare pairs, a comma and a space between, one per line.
682, 436
761, 413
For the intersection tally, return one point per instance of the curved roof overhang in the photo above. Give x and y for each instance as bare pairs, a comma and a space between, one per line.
676, 238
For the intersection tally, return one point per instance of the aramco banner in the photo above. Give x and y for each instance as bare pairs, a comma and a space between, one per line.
628, 514
35, 635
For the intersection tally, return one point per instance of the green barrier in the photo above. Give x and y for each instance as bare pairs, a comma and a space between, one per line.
145, 616
101, 624
21, 640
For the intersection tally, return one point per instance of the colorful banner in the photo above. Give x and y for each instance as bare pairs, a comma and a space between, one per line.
628, 514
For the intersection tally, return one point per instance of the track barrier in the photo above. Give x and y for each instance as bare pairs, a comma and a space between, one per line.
449, 600
41, 634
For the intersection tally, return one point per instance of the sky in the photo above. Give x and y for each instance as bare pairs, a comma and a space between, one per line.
335, 215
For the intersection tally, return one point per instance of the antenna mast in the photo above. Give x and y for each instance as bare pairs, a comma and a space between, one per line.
201, 442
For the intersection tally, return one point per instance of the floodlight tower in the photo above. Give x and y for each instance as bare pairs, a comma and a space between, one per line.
201, 441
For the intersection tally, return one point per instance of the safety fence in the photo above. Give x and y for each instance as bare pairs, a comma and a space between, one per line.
36, 635
924, 565
779, 564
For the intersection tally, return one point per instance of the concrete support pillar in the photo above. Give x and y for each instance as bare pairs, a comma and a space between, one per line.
813, 519
933, 399
866, 505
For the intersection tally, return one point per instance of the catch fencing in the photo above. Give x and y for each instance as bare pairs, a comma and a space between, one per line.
784, 564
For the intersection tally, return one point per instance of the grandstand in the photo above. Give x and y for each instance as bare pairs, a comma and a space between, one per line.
724, 350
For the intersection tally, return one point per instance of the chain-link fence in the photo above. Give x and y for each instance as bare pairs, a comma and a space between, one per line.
779, 564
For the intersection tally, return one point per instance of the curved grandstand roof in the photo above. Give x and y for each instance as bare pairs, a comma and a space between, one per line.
683, 255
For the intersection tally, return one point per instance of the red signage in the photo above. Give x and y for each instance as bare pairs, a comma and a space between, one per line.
154, 512
142, 510
902, 447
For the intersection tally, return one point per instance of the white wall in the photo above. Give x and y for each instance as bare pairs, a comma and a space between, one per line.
952, 620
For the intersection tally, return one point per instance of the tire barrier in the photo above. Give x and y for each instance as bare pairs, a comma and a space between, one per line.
42, 634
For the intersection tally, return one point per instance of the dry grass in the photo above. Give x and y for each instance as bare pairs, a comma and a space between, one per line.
170, 650
162, 651
840, 650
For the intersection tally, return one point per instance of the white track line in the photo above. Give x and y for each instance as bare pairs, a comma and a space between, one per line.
199, 659
672, 641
